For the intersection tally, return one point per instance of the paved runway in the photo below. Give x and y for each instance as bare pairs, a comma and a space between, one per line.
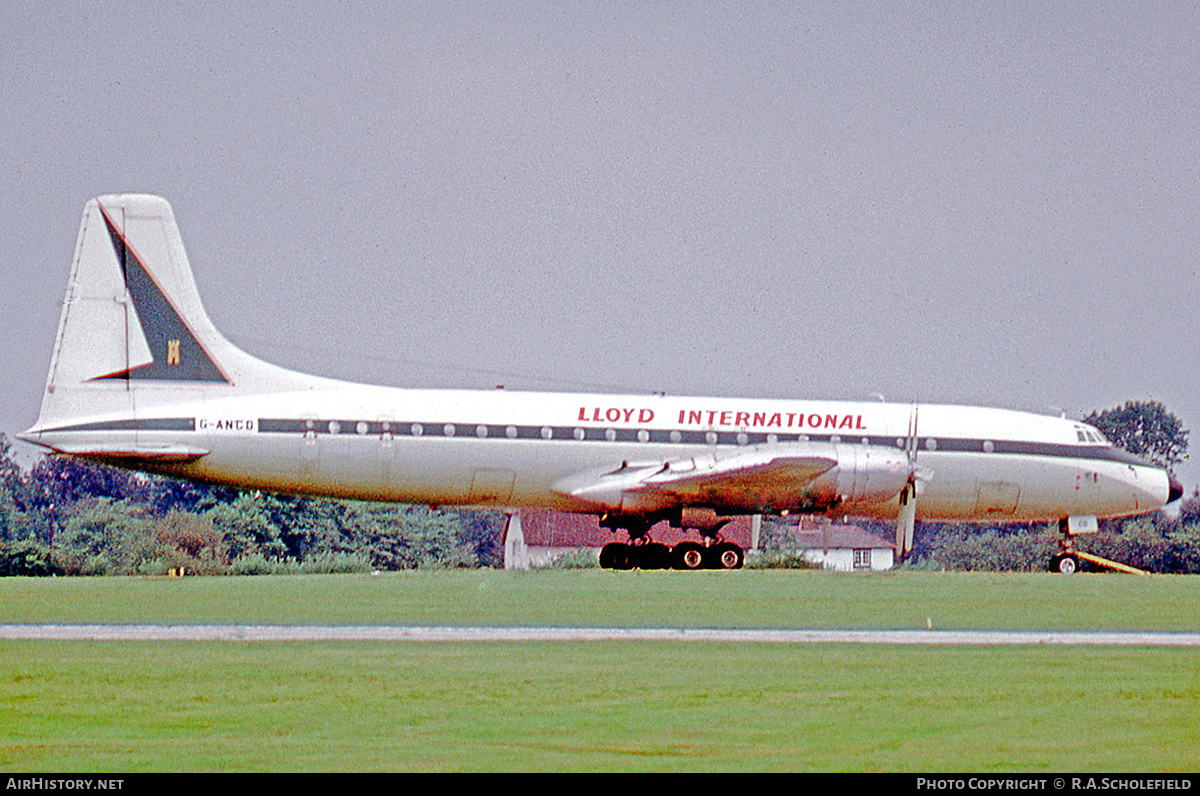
497, 634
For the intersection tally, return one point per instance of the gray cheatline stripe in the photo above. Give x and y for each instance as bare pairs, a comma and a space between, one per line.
756, 436
493, 634
133, 424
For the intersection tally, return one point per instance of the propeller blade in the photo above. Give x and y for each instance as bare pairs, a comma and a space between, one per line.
906, 518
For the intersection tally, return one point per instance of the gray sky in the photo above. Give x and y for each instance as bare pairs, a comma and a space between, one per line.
983, 203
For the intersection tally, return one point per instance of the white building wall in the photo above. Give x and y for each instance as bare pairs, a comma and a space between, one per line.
842, 559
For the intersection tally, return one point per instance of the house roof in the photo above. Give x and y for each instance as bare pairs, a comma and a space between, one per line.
840, 537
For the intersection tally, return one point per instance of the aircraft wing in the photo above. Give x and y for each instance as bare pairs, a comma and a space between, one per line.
741, 476
775, 476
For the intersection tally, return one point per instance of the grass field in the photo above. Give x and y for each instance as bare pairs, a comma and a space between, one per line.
603, 706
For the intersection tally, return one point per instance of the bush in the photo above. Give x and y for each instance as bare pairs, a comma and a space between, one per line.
576, 559
256, 564
336, 564
1154, 546
247, 527
27, 558
779, 559
104, 537
1184, 542
191, 542
986, 548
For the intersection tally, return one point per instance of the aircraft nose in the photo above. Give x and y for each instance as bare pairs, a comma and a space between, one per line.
1176, 490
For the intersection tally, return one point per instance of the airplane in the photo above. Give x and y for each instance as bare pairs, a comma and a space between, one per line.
142, 379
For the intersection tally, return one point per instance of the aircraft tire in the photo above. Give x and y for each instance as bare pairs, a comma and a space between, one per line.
687, 555
724, 556
1065, 564
651, 555
615, 555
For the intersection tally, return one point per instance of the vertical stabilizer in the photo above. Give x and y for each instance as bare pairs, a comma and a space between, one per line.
133, 332
161, 345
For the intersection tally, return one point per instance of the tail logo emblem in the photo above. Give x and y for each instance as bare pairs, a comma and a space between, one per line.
162, 324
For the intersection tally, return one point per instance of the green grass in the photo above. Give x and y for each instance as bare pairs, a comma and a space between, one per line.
593, 598
602, 706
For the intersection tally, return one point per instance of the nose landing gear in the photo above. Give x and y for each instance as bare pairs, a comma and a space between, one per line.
1065, 563
1068, 560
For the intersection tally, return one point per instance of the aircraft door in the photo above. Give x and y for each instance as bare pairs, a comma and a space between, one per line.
491, 487
997, 498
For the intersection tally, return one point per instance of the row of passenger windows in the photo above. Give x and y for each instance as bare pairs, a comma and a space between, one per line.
362, 427
385, 429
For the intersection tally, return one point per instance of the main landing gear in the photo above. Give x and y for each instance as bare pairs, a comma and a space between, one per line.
644, 554
712, 552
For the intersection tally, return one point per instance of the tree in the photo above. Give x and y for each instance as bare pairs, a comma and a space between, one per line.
27, 558
404, 537
1144, 428
57, 482
10, 483
104, 536
164, 495
192, 542
10, 471
247, 527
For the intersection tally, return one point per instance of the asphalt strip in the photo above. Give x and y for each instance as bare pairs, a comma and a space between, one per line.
496, 634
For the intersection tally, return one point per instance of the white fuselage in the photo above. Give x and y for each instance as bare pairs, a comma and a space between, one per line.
511, 449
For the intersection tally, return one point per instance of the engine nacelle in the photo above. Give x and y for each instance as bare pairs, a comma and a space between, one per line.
868, 474
698, 518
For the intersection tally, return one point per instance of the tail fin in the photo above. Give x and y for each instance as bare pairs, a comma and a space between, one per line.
133, 332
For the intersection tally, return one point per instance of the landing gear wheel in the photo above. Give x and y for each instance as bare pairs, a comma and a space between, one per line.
724, 556
1064, 563
652, 555
688, 555
615, 555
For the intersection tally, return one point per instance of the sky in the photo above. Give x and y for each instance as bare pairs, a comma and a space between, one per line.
978, 203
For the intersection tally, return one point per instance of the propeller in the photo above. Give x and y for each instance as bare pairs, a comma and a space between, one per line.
906, 518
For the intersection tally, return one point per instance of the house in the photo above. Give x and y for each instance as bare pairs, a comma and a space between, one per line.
845, 548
